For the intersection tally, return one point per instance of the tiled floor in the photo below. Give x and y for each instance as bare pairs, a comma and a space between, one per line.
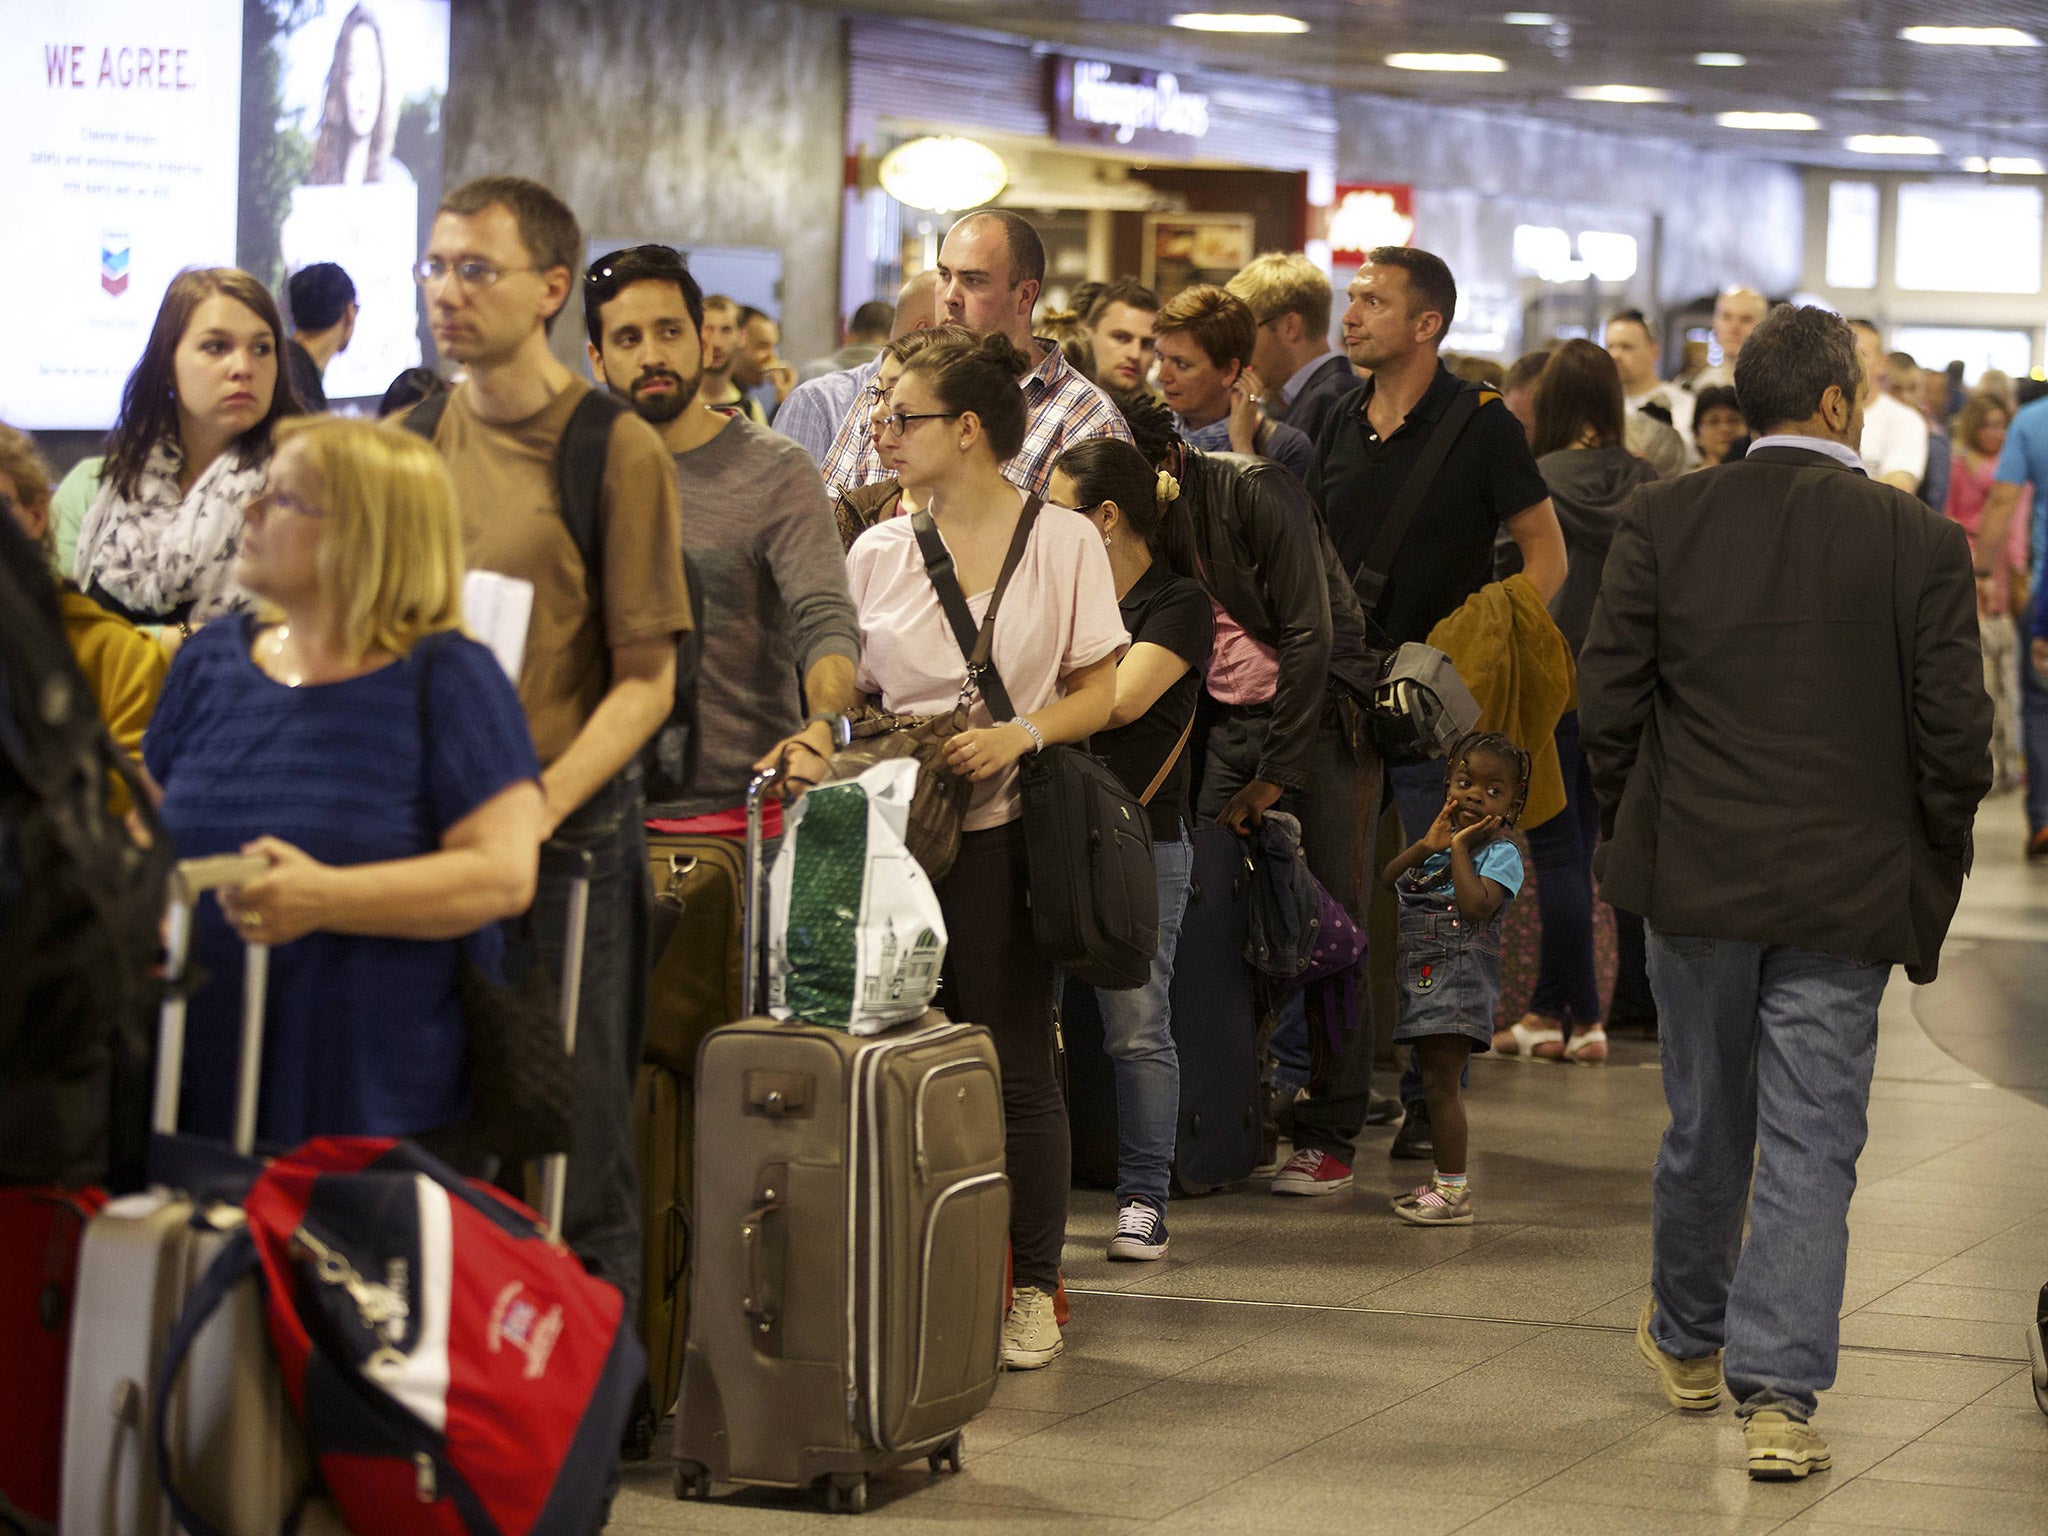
1315, 1366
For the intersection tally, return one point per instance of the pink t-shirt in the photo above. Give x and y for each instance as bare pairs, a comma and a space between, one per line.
1059, 615
1241, 669
1968, 485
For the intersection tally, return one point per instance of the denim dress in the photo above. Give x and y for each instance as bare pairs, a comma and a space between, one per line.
1450, 967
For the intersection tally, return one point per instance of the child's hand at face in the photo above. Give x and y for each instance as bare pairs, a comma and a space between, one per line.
1443, 830
1478, 835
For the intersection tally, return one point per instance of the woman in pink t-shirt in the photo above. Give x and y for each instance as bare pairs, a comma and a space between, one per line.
956, 415
2002, 597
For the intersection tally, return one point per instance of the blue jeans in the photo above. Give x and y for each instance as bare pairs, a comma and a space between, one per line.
2034, 734
1567, 988
1767, 1055
1137, 1032
1419, 793
601, 1202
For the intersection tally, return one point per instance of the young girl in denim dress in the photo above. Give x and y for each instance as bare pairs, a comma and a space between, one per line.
1454, 887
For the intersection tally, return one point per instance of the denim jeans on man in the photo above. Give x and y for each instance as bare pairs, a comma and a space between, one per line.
1767, 1053
1137, 1032
601, 1206
1334, 809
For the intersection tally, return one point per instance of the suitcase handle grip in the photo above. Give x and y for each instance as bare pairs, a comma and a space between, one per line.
759, 1306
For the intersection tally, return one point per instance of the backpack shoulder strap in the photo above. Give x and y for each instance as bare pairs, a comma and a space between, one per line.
1371, 576
579, 473
425, 418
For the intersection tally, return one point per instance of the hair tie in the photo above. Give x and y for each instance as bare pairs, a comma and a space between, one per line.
1169, 489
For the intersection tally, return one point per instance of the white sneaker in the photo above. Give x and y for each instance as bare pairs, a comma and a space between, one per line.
1031, 1335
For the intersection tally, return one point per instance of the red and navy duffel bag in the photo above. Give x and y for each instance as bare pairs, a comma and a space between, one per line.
457, 1371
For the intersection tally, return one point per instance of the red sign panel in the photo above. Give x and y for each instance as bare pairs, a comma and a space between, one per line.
1365, 214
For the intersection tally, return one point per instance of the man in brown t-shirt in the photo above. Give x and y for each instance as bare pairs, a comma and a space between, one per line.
599, 672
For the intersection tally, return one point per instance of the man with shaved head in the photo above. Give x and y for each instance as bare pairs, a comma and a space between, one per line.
812, 414
1736, 313
990, 270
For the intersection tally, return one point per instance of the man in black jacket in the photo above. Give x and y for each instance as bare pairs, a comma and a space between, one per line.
1290, 652
1785, 715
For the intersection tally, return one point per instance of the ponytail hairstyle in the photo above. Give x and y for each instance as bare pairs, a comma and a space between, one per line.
982, 378
1109, 469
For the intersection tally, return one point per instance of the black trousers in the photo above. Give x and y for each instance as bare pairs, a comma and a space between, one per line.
995, 977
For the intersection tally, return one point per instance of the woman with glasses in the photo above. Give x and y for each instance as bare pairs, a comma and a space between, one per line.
955, 417
378, 761
188, 453
859, 509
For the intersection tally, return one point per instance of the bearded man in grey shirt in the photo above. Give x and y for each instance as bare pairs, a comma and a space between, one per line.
764, 558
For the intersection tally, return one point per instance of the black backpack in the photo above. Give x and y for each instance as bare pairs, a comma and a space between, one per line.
579, 481
79, 909
1094, 896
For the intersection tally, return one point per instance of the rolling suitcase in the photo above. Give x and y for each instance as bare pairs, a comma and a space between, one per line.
846, 1284
40, 1234
1216, 1022
233, 1435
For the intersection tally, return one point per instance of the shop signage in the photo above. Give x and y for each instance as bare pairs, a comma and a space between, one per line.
1117, 104
1364, 215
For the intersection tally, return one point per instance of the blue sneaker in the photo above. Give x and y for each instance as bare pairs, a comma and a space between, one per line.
1140, 1232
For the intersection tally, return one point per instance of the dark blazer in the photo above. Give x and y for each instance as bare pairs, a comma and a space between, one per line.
1783, 707
1320, 392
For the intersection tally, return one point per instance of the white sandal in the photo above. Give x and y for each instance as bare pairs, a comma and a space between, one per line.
1519, 1039
1588, 1047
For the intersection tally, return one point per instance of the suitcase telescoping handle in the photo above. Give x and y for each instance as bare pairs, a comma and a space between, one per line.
189, 881
577, 863
752, 936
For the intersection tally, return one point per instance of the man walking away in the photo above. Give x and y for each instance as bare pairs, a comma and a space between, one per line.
1781, 694
323, 309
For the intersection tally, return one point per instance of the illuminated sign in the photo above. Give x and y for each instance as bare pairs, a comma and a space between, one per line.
1366, 215
1117, 104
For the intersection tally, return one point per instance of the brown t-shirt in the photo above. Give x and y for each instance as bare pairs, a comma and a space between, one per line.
505, 484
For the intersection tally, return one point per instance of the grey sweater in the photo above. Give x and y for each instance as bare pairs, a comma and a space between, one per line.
769, 576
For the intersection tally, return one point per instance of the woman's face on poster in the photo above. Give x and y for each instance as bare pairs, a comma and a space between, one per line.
363, 82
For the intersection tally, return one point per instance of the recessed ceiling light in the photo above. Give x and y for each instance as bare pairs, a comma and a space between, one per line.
1529, 19
1779, 122
1448, 63
1970, 37
1237, 21
1976, 165
1876, 93
1890, 144
1631, 95
1720, 60
2016, 165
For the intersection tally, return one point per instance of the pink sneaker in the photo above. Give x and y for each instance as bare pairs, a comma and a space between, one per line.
1312, 1173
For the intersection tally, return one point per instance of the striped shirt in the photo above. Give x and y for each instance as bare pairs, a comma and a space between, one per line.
1062, 408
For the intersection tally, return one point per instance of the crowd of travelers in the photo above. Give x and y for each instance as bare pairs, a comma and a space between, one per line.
1701, 697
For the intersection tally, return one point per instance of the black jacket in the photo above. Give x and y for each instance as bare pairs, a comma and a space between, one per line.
1783, 705
1264, 555
1320, 392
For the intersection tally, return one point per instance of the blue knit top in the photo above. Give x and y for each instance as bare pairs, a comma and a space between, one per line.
363, 1035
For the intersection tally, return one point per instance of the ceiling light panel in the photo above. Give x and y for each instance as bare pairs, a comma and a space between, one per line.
1265, 22
1448, 63
1970, 37
1890, 144
1770, 122
1627, 95
1719, 60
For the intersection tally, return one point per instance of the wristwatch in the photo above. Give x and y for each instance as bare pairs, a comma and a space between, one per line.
839, 725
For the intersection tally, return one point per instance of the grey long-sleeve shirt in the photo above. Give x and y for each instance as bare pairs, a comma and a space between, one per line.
765, 558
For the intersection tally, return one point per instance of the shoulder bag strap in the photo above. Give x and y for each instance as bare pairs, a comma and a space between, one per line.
1172, 757
425, 418
579, 470
1371, 576
975, 645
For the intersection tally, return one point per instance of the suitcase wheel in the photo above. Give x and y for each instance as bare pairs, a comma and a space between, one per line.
692, 1481
948, 1456
847, 1493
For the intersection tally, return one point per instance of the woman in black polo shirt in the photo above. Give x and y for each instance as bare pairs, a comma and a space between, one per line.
1158, 683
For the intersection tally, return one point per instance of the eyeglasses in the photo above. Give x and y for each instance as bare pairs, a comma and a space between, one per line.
275, 501
471, 274
898, 422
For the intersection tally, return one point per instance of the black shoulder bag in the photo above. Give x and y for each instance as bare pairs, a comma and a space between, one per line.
521, 1076
1094, 897
1420, 706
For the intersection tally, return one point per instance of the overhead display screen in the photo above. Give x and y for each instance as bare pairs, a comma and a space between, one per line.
140, 137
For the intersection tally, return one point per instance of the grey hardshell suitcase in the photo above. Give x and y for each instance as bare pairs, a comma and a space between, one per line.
235, 1443
851, 1217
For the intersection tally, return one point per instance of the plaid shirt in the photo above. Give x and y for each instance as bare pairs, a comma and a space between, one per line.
1062, 408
